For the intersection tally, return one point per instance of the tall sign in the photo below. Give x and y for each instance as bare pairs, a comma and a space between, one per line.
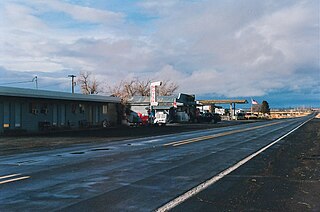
153, 94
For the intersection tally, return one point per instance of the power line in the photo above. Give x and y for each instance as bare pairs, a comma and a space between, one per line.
9, 83
34, 79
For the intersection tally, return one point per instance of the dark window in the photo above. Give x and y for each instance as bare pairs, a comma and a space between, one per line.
74, 108
81, 108
44, 108
33, 108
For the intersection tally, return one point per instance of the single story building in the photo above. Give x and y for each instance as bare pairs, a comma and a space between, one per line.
212, 105
30, 110
180, 107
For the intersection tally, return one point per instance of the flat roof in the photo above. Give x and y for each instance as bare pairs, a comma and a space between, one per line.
146, 99
44, 94
179, 98
221, 101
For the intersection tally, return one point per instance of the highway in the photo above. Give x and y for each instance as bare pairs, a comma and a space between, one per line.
130, 175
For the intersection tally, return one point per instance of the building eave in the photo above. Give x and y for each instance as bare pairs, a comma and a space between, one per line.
54, 95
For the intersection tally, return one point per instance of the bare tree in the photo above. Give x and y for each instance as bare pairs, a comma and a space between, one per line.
123, 90
167, 88
130, 88
142, 87
88, 83
126, 89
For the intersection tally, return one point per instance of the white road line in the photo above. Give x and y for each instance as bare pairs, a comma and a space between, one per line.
173, 203
14, 179
8, 176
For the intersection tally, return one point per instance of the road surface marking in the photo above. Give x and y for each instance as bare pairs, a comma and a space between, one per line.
178, 200
8, 176
12, 179
192, 140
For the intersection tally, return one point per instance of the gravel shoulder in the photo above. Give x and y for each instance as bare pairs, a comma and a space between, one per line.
286, 177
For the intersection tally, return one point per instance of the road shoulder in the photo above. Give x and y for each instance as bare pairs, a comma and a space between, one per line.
285, 177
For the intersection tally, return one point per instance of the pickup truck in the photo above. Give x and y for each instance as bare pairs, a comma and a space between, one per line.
161, 118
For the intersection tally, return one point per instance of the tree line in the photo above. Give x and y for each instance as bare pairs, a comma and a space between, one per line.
125, 89
262, 108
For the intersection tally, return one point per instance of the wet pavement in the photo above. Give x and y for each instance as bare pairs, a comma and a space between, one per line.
55, 139
133, 175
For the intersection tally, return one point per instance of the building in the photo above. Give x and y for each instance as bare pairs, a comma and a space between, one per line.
280, 114
179, 107
29, 110
233, 112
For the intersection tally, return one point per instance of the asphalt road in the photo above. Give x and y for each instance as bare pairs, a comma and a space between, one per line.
286, 177
130, 175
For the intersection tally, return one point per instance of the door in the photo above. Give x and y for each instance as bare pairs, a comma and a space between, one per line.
62, 115
54, 115
6, 115
17, 115
90, 114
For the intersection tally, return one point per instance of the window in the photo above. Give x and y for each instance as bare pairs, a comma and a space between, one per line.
33, 108
44, 108
74, 108
105, 109
81, 108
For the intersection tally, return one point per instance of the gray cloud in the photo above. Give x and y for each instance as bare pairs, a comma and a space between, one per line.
230, 48
242, 49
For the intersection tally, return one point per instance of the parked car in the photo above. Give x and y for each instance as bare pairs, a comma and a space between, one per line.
209, 117
133, 119
144, 119
216, 117
240, 116
251, 116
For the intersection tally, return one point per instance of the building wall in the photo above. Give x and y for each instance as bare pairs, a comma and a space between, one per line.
1, 117
33, 115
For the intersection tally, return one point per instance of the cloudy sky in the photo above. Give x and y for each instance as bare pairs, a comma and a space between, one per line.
212, 48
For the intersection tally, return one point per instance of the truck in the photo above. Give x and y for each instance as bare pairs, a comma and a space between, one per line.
161, 118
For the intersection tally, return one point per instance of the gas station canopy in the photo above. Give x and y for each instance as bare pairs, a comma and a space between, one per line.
229, 101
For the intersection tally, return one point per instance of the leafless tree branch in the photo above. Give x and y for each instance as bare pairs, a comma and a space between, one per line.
88, 84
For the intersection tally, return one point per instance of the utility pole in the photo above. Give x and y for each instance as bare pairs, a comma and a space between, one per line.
72, 82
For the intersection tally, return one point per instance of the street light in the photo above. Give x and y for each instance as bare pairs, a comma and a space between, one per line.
35, 79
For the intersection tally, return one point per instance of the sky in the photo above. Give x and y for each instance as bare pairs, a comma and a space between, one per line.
216, 49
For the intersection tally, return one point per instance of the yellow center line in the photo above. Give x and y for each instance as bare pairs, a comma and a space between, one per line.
15, 179
192, 140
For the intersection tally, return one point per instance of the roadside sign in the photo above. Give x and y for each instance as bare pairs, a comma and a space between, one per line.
153, 95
